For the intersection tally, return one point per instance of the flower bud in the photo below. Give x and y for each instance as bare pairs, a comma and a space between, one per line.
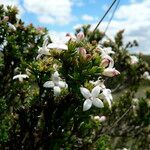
80, 36
110, 72
88, 57
6, 18
82, 52
97, 118
100, 119
105, 62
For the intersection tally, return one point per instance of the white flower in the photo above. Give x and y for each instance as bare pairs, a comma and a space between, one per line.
43, 50
110, 72
56, 84
11, 26
59, 43
99, 83
134, 59
106, 94
20, 77
146, 75
91, 98
135, 101
107, 50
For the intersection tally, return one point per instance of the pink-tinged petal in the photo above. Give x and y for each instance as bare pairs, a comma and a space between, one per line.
62, 84
48, 84
85, 92
87, 104
80, 36
111, 61
57, 90
99, 118
97, 102
88, 57
95, 91
110, 72
82, 52
102, 118
105, 62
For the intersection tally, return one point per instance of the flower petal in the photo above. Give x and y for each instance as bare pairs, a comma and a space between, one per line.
110, 72
62, 84
20, 76
134, 59
57, 90
57, 46
38, 56
109, 101
95, 91
45, 43
97, 102
48, 84
20, 79
55, 77
107, 96
108, 50
87, 104
107, 93
85, 92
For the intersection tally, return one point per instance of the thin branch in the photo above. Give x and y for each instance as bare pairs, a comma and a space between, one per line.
104, 15
116, 122
112, 16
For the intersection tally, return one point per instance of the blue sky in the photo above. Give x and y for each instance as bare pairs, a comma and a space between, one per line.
82, 12
62, 16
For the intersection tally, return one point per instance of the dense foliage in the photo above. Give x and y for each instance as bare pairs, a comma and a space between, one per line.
45, 98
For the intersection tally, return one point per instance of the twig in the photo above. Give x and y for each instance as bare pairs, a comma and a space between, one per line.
104, 16
116, 122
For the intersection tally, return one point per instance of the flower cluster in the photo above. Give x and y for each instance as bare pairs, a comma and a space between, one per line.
56, 84
78, 62
99, 91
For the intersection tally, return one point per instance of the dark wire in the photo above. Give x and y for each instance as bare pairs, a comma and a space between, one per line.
112, 16
104, 16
